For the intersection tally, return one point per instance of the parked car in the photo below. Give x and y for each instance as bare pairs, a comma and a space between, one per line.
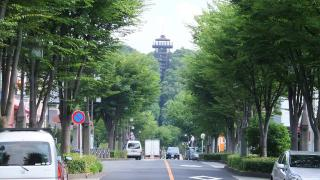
192, 153
297, 165
134, 150
30, 154
173, 153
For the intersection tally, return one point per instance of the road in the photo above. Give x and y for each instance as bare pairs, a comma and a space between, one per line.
167, 170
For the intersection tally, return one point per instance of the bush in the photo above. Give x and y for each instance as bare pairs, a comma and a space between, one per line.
234, 161
86, 164
76, 166
118, 154
278, 138
214, 157
263, 165
251, 163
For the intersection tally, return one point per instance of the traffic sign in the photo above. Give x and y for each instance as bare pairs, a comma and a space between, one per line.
78, 117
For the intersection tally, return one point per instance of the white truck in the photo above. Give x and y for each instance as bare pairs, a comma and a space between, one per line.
152, 148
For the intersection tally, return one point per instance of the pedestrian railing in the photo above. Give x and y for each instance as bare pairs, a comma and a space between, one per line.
100, 153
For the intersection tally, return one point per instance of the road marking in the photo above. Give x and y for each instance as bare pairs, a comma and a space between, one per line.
204, 178
191, 166
169, 170
214, 165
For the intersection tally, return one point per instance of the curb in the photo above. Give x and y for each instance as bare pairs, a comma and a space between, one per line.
245, 173
86, 176
115, 159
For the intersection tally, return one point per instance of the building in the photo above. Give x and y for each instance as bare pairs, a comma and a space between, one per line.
305, 132
162, 53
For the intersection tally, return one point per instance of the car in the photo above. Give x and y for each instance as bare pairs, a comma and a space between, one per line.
192, 153
30, 154
134, 150
173, 153
297, 165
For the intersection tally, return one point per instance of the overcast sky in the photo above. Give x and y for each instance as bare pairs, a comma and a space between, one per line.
168, 17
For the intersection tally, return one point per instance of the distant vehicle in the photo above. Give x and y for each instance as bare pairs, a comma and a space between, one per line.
192, 153
152, 148
297, 165
173, 153
134, 150
30, 154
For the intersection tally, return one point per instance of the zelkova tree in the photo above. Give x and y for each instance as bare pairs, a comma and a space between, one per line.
57, 41
289, 30
128, 84
90, 31
241, 62
22, 27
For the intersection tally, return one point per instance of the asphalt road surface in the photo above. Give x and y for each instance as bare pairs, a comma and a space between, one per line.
167, 170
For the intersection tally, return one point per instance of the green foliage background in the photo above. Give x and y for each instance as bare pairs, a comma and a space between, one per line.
278, 138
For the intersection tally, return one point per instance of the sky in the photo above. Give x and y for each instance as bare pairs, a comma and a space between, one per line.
168, 17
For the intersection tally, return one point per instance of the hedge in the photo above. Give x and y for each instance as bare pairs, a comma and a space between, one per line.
86, 164
251, 163
215, 157
118, 154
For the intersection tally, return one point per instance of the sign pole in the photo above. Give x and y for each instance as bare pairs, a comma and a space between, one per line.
78, 117
80, 129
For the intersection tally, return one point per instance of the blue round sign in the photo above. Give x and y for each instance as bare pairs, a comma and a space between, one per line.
78, 117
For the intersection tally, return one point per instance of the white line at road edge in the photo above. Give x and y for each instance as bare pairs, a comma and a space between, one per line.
215, 165
185, 165
204, 178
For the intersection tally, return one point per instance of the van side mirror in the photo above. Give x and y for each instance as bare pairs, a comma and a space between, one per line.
280, 166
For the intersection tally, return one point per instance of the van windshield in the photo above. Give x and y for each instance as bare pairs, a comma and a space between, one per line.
133, 146
24, 154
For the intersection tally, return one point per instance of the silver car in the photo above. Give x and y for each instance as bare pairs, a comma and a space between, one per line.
297, 165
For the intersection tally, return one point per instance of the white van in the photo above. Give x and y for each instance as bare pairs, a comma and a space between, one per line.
27, 154
134, 150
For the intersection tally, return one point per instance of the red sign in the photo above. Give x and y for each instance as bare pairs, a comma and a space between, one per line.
78, 117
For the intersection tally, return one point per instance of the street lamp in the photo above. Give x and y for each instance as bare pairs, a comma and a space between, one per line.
202, 138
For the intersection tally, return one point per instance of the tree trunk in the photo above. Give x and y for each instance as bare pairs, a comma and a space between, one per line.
86, 131
6, 73
65, 132
33, 94
295, 111
243, 143
65, 116
244, 125
316, 141
263, 145
230, 137
294, 133
21, 118
304, 127
111, 136
216, 144
312, 120
47, 94
13, 78
110, 128
3, 9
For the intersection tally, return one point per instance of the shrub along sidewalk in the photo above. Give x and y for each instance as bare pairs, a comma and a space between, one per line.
87, 164
254, 164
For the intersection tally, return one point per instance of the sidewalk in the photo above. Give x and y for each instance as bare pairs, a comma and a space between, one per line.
87, 176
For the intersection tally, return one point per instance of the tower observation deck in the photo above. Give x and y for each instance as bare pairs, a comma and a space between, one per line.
162, 48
